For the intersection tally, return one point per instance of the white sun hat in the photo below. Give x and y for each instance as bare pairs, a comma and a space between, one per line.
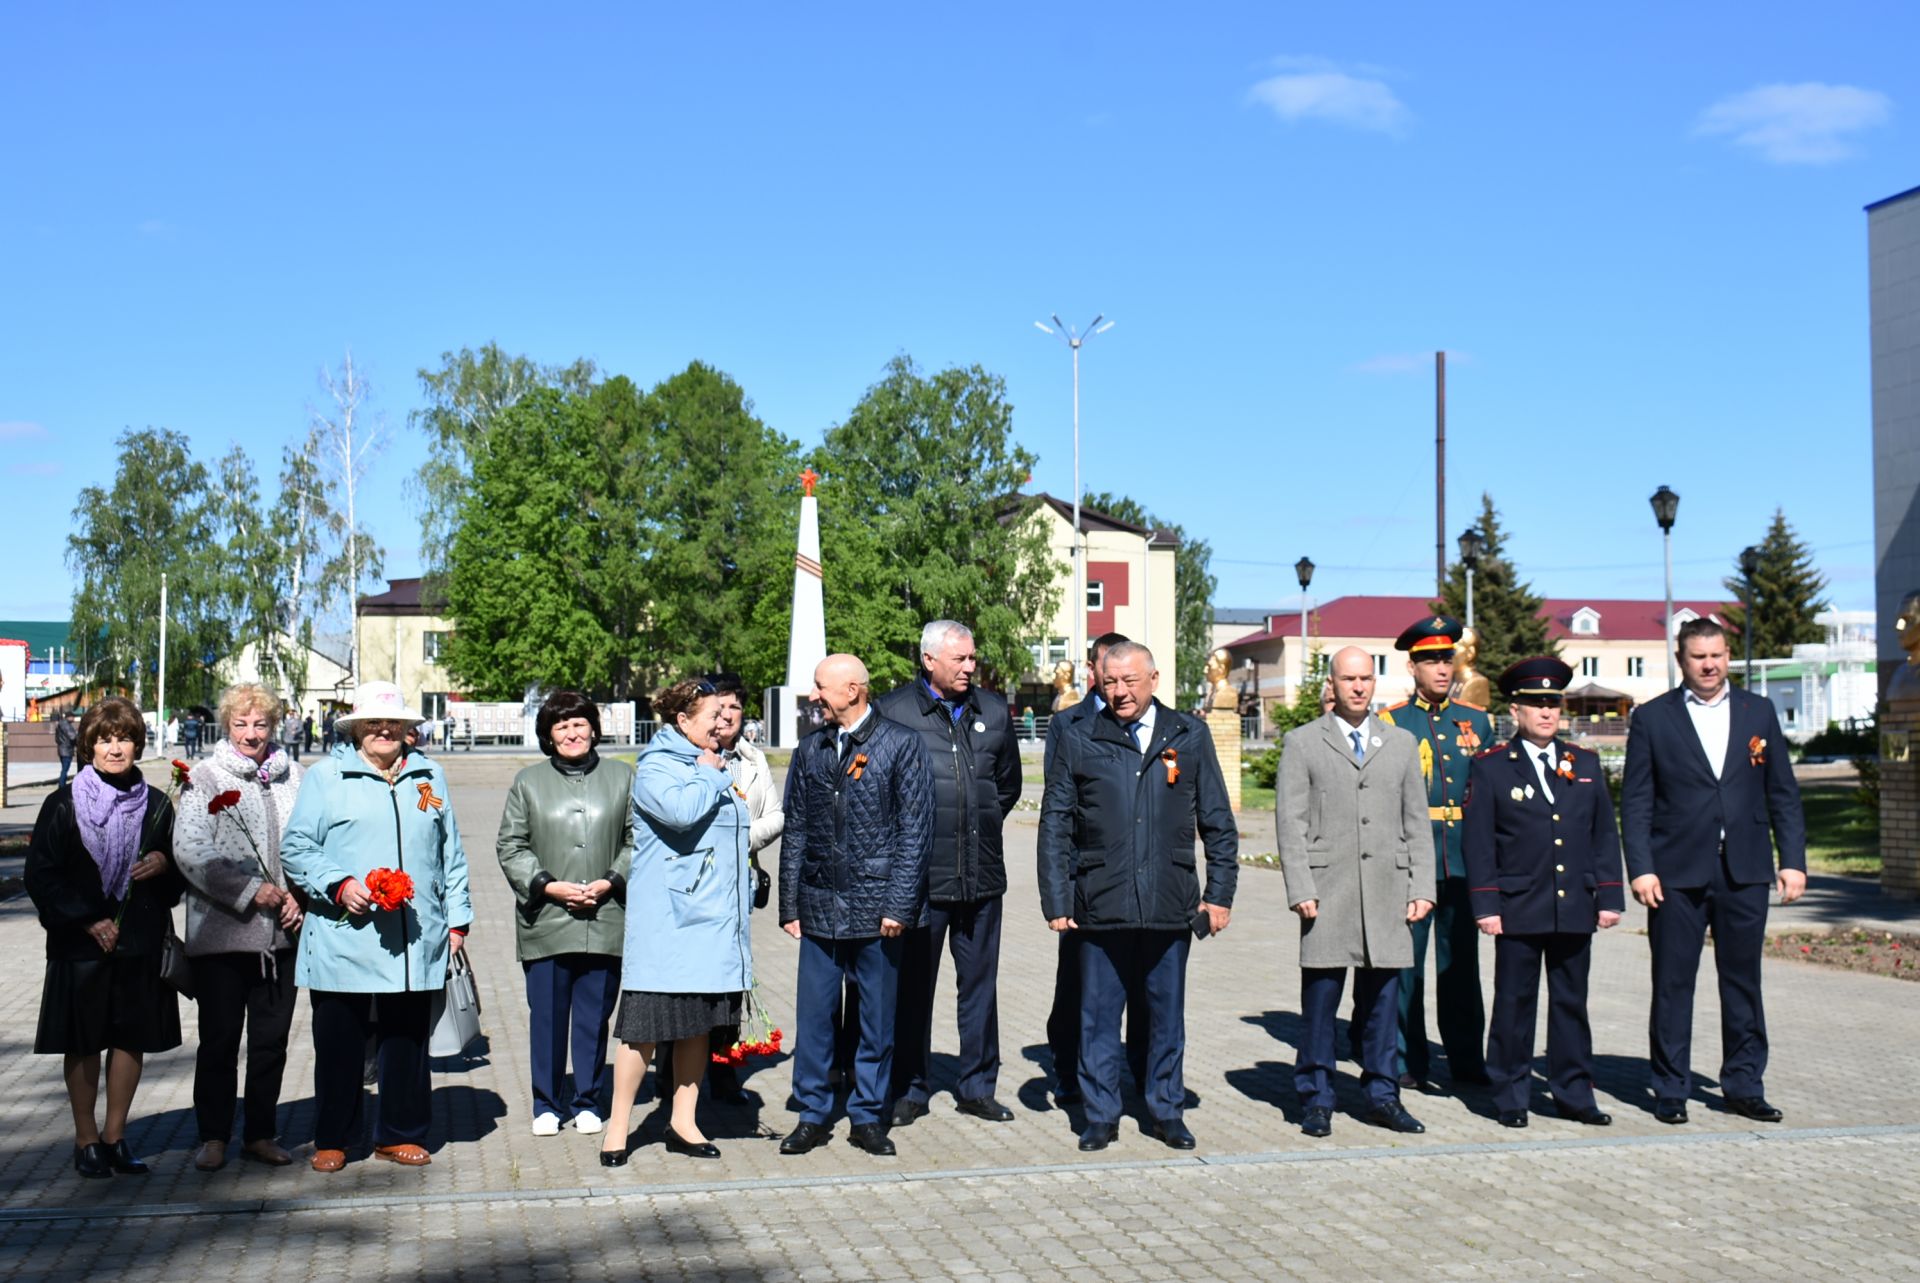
379, 700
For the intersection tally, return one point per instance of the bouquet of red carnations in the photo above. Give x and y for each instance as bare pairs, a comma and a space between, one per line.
759, 1036
390, 888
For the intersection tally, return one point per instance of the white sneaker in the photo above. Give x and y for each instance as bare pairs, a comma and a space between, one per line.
546, 1124
588, 1123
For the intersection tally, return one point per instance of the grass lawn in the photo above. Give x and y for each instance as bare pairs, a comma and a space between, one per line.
1843, 836
1252, 796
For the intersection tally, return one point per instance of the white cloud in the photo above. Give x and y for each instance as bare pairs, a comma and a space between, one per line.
1803, 124
20, 430
1311, 88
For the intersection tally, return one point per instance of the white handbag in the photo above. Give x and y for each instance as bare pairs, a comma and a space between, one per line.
455, 1011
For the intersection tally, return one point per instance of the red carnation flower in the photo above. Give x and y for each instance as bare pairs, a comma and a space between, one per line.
221, 801
390, 888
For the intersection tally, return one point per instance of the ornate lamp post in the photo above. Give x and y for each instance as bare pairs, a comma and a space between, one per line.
1749, 567
1472, 544
1303, 570
1666, 505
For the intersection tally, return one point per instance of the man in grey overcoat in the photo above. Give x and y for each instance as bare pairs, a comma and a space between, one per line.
1356, 850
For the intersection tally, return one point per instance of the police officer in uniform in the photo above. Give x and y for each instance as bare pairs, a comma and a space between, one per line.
1450, 733
1543, 868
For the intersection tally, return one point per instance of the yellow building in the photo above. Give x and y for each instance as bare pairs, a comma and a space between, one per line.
401, 640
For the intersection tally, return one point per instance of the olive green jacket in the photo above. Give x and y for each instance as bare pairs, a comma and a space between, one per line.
567, 828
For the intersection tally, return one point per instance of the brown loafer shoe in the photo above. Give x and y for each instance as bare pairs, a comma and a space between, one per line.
329, 1160
405, 1155
266, 1151
211, 1156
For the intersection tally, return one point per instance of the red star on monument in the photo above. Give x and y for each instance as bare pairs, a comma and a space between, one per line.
809, 479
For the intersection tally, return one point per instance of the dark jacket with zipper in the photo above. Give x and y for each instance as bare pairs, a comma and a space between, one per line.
855, 846
64, 883
975, 761
1117, 826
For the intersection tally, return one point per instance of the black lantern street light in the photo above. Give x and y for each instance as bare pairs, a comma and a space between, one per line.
1749, 567
1303, 570
1666, 505
1472, 544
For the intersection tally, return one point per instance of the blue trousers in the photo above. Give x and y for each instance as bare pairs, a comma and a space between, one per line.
1376, 999
1133, 970
869, 968
1456, 949
1677, 929
1516, 1002
570, 999
972, 930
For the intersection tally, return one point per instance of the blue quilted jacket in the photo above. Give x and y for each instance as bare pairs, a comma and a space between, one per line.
857, 835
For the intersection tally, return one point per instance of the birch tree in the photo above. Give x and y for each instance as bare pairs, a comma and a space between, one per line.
347, 437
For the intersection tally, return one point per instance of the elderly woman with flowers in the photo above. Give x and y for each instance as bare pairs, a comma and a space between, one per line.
242, 919
373, 845
100, 873
688, 960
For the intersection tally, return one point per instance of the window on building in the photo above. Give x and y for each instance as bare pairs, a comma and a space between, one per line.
1586, 622
1047, 652
433, 703
1590, 666
1636, 666
432, 646
1379, 665
1096, 595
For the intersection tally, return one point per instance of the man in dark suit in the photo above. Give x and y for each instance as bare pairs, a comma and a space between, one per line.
1543, 871
1708, 795
1124, 799
968, 735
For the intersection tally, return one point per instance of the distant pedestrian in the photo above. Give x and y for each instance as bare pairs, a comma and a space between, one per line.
290, 734
64, 733
306, 732
1027, 724
192, 728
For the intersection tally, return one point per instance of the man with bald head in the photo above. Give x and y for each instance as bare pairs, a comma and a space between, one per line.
1357, 855
853, 878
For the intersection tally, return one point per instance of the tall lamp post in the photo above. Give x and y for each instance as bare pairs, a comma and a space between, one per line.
1303, 570
1666, 505
1472, 544
1749, 567
1075, 341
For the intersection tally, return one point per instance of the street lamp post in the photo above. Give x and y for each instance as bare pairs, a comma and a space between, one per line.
1303, 569
1074, 341
1472, 544
1666, 505
1749, 567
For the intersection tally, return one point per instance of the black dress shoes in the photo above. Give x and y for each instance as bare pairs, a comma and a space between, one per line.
1173, 1133
1394, 1118
1513, 1118
676, 1144
1318, 1121
986, 1107
806, 1136
1754, 1107
123, 1160
614, 1157
871, 1137
1098, 1136
905, 1111
91, 1161
1670, 1109
1592, 1115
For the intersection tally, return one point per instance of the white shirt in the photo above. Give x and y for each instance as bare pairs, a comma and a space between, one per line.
1543, 769
846, 732
1713, 723
1146, 728
1348, 730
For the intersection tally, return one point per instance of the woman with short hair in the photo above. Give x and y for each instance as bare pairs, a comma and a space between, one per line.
566, 840
688, 959
242, 921
99, 870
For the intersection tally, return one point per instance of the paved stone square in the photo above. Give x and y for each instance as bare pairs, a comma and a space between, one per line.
1827, 1194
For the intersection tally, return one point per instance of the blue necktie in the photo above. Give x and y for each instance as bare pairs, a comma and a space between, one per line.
1133, 732
1359, 749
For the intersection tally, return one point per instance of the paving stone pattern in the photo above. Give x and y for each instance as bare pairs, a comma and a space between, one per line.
1829, 1194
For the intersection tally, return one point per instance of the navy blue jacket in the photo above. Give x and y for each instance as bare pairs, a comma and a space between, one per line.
1064, 723
1542, 867
1672, 809
855, 847
1117, 827
976, 782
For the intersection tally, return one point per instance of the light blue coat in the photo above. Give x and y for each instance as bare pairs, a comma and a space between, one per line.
347, 822
690, 889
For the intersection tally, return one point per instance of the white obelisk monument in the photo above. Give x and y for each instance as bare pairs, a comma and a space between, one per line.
807, 642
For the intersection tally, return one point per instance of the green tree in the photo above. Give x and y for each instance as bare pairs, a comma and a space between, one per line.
1786, 595
156, 518
1506, 610
912, 489
1193, 589
465, 397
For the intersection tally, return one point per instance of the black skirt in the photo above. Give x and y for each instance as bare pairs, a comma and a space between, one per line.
116, 1001
646, 1016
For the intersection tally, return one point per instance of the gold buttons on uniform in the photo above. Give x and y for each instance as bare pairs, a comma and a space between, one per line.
1561, 894
1556, 819
1559, 868
1559, 842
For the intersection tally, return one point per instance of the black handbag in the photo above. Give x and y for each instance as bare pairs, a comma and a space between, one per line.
762, 884
175, 967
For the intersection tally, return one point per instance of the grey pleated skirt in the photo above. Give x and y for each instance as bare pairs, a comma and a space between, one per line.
646, 1016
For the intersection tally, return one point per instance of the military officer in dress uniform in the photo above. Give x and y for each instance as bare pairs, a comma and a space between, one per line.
1450, 733
1543, 870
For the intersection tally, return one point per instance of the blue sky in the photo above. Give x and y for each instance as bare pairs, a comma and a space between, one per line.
1638, 232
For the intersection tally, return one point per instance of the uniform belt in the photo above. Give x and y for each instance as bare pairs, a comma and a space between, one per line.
1448, 812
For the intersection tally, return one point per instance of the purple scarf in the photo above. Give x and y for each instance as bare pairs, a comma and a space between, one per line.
109, 820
